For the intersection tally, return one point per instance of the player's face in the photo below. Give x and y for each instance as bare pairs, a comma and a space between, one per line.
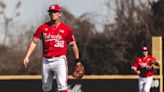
54, 15
145, 53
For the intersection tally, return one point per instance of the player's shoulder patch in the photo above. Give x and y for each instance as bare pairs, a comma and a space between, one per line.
139, 59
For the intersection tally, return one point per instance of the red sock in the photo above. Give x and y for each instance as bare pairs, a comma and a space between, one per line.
64, 91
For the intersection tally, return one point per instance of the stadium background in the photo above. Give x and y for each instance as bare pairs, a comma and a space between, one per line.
108, 52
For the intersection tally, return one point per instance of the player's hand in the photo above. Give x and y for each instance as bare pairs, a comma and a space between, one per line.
157, 63
138, 72
79, 71
25, 62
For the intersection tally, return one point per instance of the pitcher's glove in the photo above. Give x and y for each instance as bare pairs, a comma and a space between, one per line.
78, 71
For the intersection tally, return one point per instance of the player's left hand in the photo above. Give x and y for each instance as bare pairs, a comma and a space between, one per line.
79, 71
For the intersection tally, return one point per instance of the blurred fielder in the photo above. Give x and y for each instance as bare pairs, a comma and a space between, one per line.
55, 36
144, 67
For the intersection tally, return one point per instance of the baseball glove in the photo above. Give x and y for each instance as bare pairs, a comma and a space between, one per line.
78, 71
145, 70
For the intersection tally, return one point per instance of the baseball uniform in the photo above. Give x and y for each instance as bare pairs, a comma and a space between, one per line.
146, 74
55, 37
54, 40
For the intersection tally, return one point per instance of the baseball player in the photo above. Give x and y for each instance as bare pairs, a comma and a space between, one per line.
143, 66
55, 36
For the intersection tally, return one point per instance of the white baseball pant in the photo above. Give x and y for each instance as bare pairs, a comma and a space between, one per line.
144, 83
54, 66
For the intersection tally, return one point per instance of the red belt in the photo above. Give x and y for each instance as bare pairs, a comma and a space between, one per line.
53, 56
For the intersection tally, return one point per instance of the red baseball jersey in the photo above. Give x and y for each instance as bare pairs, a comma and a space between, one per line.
140, 63
54, 39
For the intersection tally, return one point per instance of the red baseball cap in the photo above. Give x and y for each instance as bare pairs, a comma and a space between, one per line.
54, 8
144, 48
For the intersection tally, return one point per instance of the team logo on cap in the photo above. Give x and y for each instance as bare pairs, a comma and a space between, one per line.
52, 7
145, 48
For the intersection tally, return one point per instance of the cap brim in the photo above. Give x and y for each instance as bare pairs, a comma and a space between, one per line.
144, 50
53, 11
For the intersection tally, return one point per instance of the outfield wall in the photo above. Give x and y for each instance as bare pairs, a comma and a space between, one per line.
101, 83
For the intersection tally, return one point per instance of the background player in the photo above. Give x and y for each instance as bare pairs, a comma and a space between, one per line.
143, 66
55, 36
